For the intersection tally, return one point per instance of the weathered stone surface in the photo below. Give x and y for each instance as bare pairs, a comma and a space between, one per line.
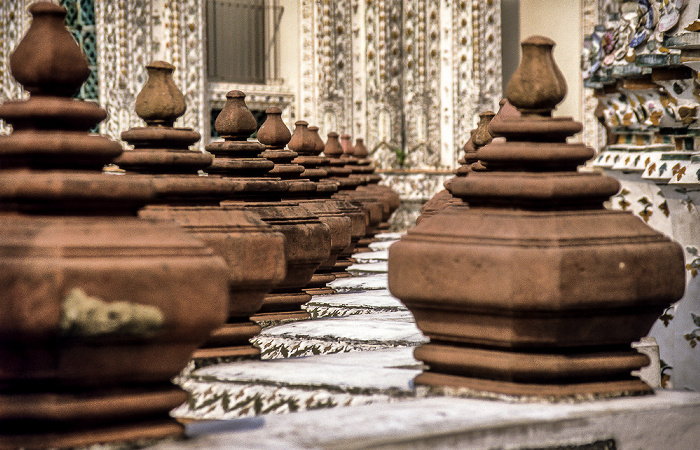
535, 289
291, 385
100, 309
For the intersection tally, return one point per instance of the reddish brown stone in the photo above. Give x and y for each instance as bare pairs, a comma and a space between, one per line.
535, 289
374, 209
253, 251
307, 239
317, 199
363, 166
480, 136
315, 163
100, 309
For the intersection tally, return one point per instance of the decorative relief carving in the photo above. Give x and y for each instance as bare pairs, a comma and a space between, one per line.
408, 75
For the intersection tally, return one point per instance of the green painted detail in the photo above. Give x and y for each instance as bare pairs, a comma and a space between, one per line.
658, 60
80, 20
85, 316
629, 70
686, 41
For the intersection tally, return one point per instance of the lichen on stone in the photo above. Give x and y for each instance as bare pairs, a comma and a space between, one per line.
82, 315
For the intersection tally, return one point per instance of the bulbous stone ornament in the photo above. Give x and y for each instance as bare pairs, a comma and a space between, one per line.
48, 61
305, 142
537, 85
100, 309
253, 252
275, 136
160, 101
534, 290
235, 121
360, 149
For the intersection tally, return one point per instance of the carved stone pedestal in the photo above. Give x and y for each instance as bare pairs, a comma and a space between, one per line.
100, 309
535, 289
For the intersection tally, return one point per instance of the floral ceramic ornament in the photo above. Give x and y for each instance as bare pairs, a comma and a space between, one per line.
588, 58
644, 25
625, 33
670, 13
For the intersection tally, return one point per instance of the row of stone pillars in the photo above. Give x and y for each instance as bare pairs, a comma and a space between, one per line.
113, 280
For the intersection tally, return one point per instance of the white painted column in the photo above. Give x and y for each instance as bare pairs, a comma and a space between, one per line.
359, 72
446, 85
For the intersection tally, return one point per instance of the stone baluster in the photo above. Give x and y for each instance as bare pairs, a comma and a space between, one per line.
100, 309
535, 290
375, 210
313, 195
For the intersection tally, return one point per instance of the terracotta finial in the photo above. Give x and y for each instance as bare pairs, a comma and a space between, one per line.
160, 101
47, 60
303, 141
273, 133
317, 140
235, 122
537, 86
505, 111
346, 144
360, 150
482, 136
333, 149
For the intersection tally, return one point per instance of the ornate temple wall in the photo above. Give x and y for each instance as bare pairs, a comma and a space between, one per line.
408, 75
121, 37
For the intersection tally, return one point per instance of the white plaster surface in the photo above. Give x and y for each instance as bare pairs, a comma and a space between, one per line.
377, 300
253, 388
667, 420
375, 370
388, 328
373, 267
359, 283
391, 237
373, 256
381, 245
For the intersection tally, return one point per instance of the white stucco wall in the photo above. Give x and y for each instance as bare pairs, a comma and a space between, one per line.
289, 48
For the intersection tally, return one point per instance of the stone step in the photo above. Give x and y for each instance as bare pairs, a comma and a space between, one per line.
343, 334
347, 304
367, 268
376, 281
381, 245
251, 388
665, 420
371, 257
